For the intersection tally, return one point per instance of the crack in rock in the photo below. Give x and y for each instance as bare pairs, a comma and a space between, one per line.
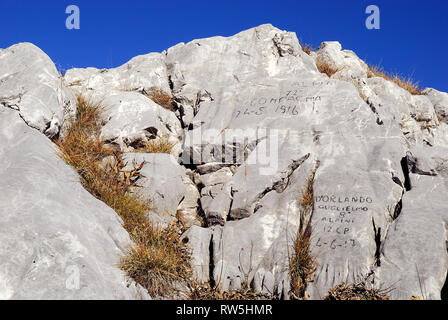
279, 186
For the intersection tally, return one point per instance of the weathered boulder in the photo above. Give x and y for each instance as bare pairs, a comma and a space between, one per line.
141, 72
255, 249
440, 102
165, 183
131, 120
198, 240
347, 64
162, 180
56, 240
30, 83
188, 207
215, 195
414, 259
200, 68
272, 127
319, 120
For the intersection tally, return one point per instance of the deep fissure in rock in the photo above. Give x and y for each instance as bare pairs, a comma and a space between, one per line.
405, 168
279, 186
397, 181
229, 218
377, 233
378, 120
398, 207
211, 263
170, 83
444, 293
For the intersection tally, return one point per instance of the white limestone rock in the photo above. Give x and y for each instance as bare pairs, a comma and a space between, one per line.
349, 67
202, 67
256, 119
30, 83
198, 240
414, 259
131, 117
56, 240
141, 72
162, 182
359, 143
188, 207
440, 102
131, 120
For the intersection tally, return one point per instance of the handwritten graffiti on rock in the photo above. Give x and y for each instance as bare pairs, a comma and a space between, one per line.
336, 218
343, 199
336, 243
289, 104
344, 204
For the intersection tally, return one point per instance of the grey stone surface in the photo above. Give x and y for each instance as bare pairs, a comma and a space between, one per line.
440, 102
162, 182
198, 240
188, 207
349, 67
414, 259
254, 119
257, 246
53, 232
140, 73
359, 130
30, 83
418, 235
131, 119
198, 69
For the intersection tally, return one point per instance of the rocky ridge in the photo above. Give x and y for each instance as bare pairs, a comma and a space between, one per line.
252, 117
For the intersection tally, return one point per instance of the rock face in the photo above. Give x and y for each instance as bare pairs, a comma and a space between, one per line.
254, 120
30, 83
166, 183
130, 118
57, 241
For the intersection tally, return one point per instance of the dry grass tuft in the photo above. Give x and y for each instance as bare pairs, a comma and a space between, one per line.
206, 292
302, 264
161, 98
157, 145
357, 291
158, 258
307, 199
307, 48
326, 68
407, 84
81, 147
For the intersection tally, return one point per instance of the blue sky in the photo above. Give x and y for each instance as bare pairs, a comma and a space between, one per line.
412, 40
